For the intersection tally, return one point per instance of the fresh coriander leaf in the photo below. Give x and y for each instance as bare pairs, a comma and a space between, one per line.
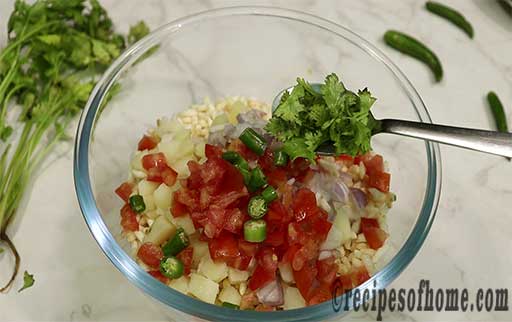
331, 91
296, 148
137, 32
28, 281
290, 109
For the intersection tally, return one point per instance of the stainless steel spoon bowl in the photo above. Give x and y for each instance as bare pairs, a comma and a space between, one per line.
478, 140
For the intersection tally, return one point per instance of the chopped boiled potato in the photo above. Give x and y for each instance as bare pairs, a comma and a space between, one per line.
180, 284
181, 166
292, 298
176, 149
237, 276
160, 231
147, 187
214, 271
186, 223
136, 163
203, 288
200, 251
168, 125
221, 119
149, 201
163, 196
285, 270
199, 149
229, 294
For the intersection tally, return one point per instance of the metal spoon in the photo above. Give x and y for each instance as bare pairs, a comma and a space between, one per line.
478, 140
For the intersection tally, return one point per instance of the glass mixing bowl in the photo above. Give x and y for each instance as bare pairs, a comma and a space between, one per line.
254, 52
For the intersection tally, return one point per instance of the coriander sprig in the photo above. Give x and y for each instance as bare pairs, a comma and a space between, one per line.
55, 52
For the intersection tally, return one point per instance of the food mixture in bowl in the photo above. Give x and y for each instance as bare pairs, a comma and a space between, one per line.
233, 207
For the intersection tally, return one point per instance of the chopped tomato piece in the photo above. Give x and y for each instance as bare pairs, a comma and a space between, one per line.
266, 161
129, 218
194, 181
234, 221
344, 157
260, 277
154, 160
369, 222
360, 275
373, 164
187, 197
178, 209
232, 180
124, 191
150, 254
147, 143
225, 200
224, 247
290, 253
304, 204
320, 294
159, 276
375, 237
212, 151
267, 259
186, 257
321, 227
327, 269
276, 238
304, 279
276, 177
240, 262
380, 180
247, 248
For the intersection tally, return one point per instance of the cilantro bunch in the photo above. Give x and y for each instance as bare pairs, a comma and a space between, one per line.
55, 52
308, 117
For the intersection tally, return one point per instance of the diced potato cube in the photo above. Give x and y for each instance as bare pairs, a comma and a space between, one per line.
200, 250
214, 271
180, 284
160, 231
163, 196
147, 187
181, 166
136, 163
149, 201
237, 276
203, 288
285, 270
292, 298
199, 150
186, 223
175, 149
229, 294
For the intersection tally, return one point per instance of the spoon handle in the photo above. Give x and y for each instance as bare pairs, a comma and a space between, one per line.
479, 140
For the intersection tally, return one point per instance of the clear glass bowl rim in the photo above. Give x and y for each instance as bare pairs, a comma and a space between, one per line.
189, 305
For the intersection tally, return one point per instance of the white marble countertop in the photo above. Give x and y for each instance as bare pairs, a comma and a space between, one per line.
469, 244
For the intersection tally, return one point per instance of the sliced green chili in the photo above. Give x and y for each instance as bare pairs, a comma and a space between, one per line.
235, 159
414, 48
176, 244
269, 194
171, 267
230, 306
498, 112
257, 180
255, 230
253, 141
137, 203
280, 158
257, 207
451, 15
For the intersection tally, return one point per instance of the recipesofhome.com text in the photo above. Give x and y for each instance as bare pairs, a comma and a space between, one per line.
422, 298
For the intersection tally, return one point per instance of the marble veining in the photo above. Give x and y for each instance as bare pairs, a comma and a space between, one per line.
469, 243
